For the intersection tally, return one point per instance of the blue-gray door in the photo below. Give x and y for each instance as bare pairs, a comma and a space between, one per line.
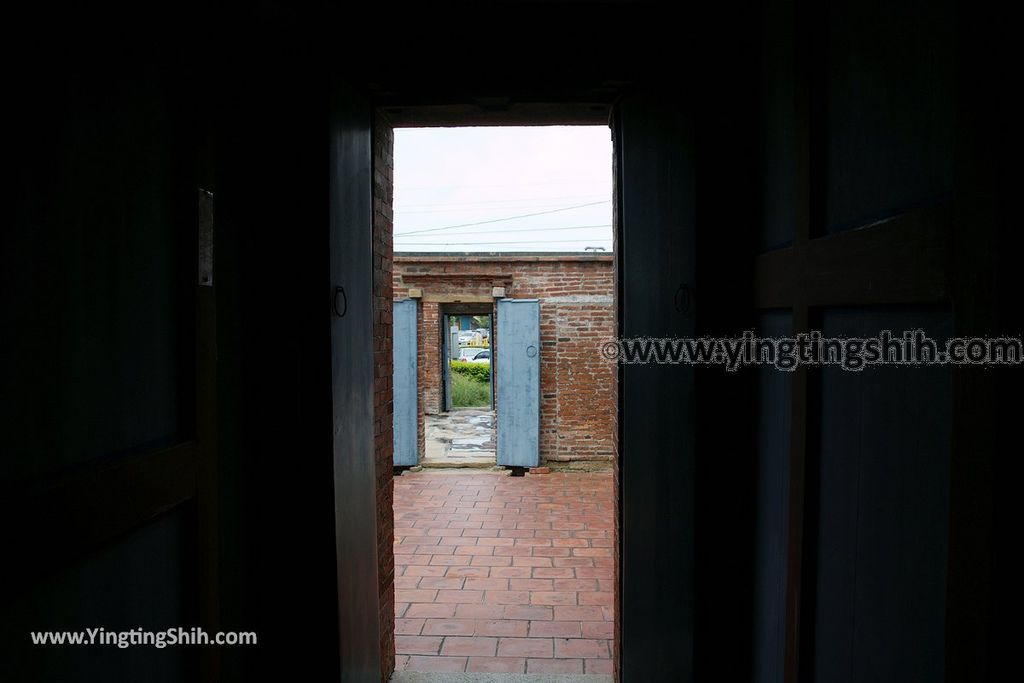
404, 382
518, 367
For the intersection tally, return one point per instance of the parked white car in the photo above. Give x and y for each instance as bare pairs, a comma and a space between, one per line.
474, 354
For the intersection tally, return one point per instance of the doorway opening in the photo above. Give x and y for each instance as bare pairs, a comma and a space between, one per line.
503, 288
467, 365
463, 433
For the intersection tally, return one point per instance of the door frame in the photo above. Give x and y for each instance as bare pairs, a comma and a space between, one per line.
408, 115
444, 311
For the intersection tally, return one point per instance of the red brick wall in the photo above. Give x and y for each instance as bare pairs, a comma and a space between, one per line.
578, 385
429, 358
428, 376
383, 165
616, 462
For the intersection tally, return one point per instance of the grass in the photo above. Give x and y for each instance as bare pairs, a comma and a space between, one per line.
469, 393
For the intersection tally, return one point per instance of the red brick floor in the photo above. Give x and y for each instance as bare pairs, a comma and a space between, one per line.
503, 574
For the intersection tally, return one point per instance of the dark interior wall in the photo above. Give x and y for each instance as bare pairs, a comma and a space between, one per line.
902, 108
877, 85
99, 360
771, 525
687, 461
95, 280
654, 142
887, 106
776, 148
777, 209
292, 178
881, 509
985, 472
726, 454
278, 570
141, 581
98, 341
882, 139
96, 354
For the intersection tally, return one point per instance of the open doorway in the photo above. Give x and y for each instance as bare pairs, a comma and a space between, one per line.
503, 514
467, 367
463, 434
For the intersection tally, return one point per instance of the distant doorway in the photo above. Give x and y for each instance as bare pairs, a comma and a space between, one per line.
466, 358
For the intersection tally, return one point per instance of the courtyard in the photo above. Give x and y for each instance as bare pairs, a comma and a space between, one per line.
495, 573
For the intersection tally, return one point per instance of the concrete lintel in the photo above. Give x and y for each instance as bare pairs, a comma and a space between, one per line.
458, 298
580, 299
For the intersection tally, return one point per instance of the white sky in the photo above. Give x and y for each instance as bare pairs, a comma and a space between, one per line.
458, 176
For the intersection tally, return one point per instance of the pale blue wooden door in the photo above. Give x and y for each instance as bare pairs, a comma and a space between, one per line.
518, 374
404, 382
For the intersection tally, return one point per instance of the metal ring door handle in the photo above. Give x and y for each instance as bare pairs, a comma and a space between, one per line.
682, 299
340, 291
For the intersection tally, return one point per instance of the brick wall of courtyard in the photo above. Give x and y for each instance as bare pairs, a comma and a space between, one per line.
578, 385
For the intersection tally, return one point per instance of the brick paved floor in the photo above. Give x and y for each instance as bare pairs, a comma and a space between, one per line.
503, 574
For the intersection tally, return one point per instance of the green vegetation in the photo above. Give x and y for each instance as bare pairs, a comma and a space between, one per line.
481, 372
468, 392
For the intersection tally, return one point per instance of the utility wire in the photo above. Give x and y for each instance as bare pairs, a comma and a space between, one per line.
435, 244
494, 232
499, 220
401, 207
492, 185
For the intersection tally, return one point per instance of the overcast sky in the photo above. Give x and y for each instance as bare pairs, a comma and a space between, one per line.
476, 178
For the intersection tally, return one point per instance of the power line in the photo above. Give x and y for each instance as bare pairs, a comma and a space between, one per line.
424, 244
493, 232
493, 185
499, 220
406, 208
478, 209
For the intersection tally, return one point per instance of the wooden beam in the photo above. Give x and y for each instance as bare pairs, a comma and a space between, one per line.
56, 522
502, 113
903, 259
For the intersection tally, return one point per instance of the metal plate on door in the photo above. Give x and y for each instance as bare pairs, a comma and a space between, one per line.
205, 254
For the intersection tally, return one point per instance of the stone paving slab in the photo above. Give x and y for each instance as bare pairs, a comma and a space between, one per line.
460, 438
